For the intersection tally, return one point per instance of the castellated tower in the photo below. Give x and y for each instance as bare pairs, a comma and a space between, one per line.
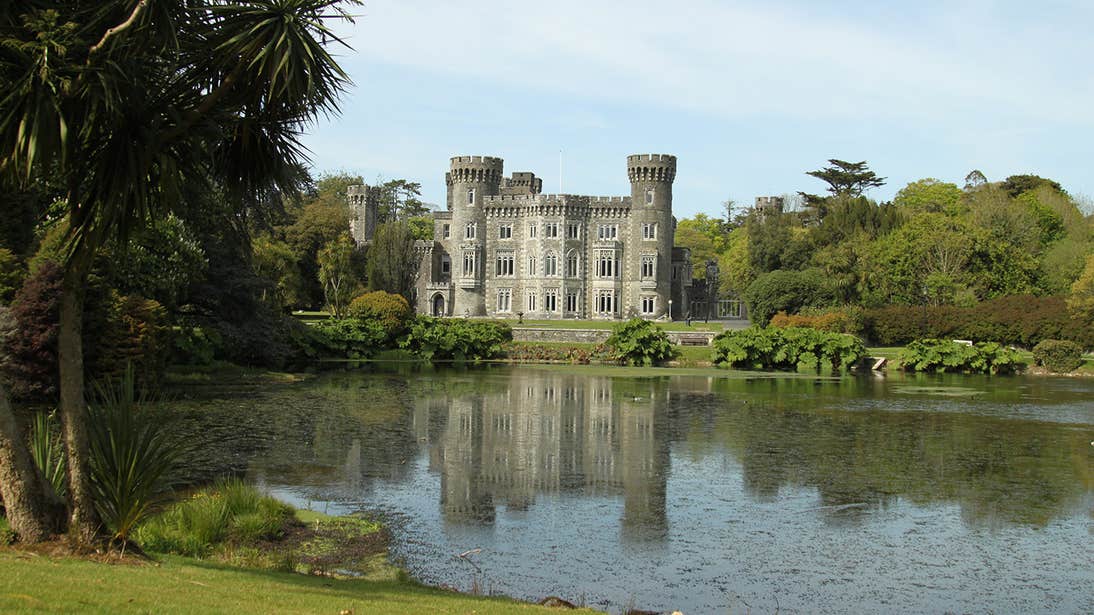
470, 179
364, 203
651, 231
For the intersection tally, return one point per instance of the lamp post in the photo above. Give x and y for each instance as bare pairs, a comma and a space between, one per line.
670, 309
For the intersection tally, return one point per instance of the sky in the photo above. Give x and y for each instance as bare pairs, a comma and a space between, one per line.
749, 95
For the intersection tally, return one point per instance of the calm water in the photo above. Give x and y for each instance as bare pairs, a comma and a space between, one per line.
695, 492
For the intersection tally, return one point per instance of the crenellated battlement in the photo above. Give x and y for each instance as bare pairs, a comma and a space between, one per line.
475, 169
651, 167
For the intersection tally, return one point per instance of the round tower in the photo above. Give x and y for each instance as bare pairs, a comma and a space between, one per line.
651, 231
470, 179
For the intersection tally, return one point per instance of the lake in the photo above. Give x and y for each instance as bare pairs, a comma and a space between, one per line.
699, 490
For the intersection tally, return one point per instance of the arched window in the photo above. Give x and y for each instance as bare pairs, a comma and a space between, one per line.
470, 234
471, 196
550, 264
572, 264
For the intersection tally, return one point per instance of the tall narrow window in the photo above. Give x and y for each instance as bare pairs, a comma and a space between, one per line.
649, 304
573, 230
531, 301
471, 196
505, 231
649, 197
468, 264
446, 265
505, 296
648, 266
550, 230
532, 228
445, 231
606, 264
503, 265
550, 264
532, 271
649, 230
550, 300
571, 265
571, 301
470, 231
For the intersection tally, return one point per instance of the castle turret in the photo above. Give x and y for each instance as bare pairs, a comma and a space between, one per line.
364, 203
651, 230
470, 179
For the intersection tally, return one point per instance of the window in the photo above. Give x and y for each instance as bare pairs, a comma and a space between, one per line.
446, 265
607, 232
605, 302
468, 264
648, 304
505, 231
550, 230
532, 264
648, 266
505, 298
550, 264
471, 196
649, 197
550, 300
446, 231
571, 302
606, 264
571, 265
532, 228
573, 230
504, 264
531, 301
649, 230
469, 233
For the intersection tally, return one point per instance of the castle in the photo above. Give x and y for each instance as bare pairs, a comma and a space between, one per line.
502, 248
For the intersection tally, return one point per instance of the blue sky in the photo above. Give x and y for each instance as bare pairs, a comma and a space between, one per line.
748, 94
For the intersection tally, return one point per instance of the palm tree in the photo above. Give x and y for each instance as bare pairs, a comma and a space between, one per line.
125, 102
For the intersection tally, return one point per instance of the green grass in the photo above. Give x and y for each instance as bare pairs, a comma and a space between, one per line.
35, 583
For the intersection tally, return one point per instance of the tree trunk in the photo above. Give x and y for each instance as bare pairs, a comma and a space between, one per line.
84, 522
33, 511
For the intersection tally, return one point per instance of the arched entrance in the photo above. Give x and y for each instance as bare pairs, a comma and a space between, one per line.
438, 304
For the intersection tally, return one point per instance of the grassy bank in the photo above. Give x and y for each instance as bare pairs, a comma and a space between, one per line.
32, 583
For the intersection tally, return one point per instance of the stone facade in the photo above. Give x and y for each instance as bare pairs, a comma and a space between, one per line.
503, 248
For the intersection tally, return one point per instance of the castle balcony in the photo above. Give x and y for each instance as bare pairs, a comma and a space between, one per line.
469, 283
442, 285
648, 284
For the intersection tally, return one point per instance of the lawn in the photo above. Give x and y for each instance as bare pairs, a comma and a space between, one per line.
35, 583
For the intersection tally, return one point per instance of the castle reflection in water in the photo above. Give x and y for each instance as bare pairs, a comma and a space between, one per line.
550, 434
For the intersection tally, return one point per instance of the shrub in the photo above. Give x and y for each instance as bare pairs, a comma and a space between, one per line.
31, 351
639, 342
195, 346
228, 511
786, 348
1059, 356
787, 291
132, 457
129, 331
350, 338
436, 339
935, 355
390, 310
846, 319
1021, 320
47, 450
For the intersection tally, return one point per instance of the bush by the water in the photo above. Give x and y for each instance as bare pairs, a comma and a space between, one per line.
639, 342
1059, 356
786, 348
935, 355
228, 512
350, 338
456, 339
390, 310
787, 291
1021, 320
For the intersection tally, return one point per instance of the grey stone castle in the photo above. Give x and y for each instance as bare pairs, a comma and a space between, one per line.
503, 248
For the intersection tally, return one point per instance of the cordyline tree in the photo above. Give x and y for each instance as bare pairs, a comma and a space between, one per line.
124, 102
